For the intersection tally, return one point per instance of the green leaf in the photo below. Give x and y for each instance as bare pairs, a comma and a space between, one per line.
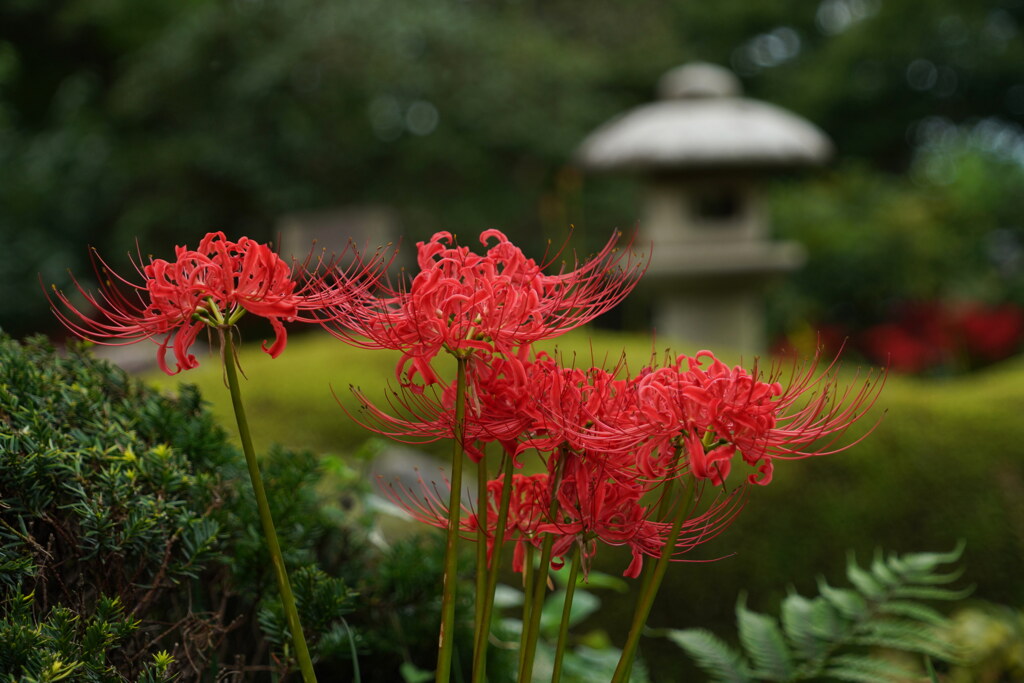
927, 562
411, 674
827, 622
906, 636
584, 603
356, 675
863, 581
883, 573
506, 597
593, 580
932, 593
866, 669
762, 639
798, 620
849, 603
913, 610
712, 655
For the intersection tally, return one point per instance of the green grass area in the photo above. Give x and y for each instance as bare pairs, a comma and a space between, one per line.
299, 399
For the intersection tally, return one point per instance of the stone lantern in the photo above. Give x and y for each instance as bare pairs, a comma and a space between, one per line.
703, 151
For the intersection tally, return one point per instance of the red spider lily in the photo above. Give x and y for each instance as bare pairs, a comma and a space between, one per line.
698, 413
213, 285
593, 507
570, 406
599, 501
469, 304
528, 509
523, 403
717, 411
498, 409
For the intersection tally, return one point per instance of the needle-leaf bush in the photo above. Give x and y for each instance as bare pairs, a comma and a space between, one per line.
129, 550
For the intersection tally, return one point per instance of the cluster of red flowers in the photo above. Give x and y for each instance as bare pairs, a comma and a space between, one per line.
613, 444
213, 285
928, 336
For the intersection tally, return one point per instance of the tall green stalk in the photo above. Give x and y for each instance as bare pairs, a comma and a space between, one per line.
650, 590
481, 548
484, 628
563, 627
451, 551
531, 628
529, 576
263, 506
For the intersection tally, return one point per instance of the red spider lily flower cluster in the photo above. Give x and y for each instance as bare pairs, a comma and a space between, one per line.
212, 285
697, 418
616, 444
475, 305
592, 505
612, 444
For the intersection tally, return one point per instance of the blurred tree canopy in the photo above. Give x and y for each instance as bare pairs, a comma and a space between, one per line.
158, 121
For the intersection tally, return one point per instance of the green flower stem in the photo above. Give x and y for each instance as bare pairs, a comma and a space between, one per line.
263, 506
664, 507
481, 546
484, 628
650, 590
563, 627
532, 630
446, 643
529, 576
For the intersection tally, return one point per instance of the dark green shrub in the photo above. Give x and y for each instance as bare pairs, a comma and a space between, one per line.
130, 547
63, 645
107, 490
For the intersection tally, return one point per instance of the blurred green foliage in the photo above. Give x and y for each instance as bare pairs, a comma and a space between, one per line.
949, 231
121, 122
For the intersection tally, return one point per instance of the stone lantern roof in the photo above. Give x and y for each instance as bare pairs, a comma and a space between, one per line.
703, 123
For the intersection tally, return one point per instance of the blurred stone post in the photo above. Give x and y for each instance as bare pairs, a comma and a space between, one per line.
703, 152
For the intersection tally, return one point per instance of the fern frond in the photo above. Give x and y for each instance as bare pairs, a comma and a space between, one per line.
915, 566
867, 669
940, 579
809, 625
849, 603
913, 610
862, 580
711, 654
931, 593
762, 639
827, 622
906, 636
883, 573
927, 562
832, 634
